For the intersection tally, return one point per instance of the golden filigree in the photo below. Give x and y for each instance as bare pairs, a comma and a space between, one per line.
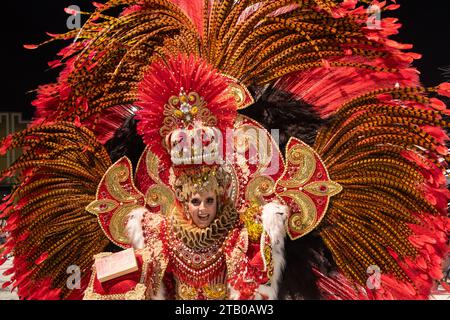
258, 188
304, 221
152, 163
102, 206
138, 293
304, 180
183, 110
117, 225
215, 291
238, 93
238, 254
116, 175
186, 292
324, 188
306, 161
155, 261
253, 226
161, 196
120, 197
241, 95
268, 260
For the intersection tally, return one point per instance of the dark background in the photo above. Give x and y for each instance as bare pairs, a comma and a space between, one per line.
425, 24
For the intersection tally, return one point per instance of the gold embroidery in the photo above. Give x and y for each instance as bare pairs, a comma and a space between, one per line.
184, 109
268, 260
238, 254
186, 292
305, 220
117, 225
241, 95
215, 291
121, 197
138, 293
114, 177
155, 260
210, 291
152, 163
302, 162
161, 196
251, 220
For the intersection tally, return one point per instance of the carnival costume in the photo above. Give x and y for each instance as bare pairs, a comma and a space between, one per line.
356, 180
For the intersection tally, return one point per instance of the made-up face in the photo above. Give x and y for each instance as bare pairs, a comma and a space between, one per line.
202, 208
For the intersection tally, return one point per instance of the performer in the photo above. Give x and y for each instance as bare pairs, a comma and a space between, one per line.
156, 137
196, 246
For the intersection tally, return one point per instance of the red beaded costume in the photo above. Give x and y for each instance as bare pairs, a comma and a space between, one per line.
356, 180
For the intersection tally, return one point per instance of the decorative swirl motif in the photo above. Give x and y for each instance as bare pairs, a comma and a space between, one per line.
303, 221
259, 187
306, 162
158, 195
238, 93
117, 225
116, 196
114, 177
305, 186
152, 162
324, 188
183, 110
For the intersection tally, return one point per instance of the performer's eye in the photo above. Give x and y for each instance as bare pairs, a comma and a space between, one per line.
195, 202
210, 200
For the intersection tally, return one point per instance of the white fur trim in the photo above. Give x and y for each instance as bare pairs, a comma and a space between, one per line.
274, 217
134, 227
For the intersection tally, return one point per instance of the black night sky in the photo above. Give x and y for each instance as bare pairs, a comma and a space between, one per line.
425, 24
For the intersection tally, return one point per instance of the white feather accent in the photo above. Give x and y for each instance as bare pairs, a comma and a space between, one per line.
134, 227
274, 217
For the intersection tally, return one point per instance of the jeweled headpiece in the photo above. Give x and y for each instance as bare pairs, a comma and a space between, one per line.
187, 106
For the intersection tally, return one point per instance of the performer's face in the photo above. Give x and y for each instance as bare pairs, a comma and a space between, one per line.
203, 208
